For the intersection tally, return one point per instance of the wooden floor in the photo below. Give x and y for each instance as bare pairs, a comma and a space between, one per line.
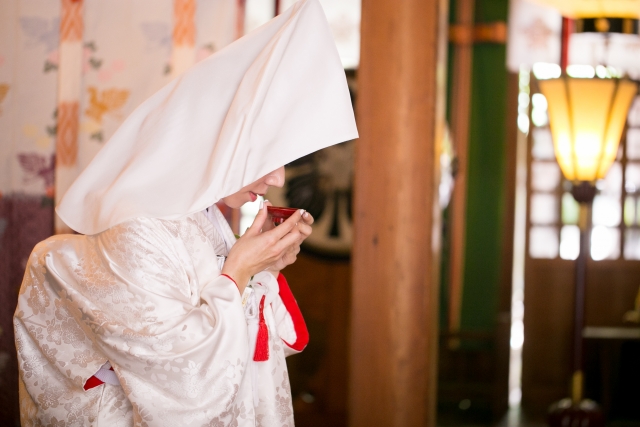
513, 418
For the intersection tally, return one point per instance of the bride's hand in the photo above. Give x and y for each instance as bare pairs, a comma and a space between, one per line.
304, 227
256, 251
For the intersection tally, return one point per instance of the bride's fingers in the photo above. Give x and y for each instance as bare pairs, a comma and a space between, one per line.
286, 227
305, 229
287, 258
288, 240
283, 231
290, 257
258, 222
308, 218
268, 224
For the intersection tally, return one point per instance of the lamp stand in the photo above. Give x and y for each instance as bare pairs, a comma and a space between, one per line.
577, 411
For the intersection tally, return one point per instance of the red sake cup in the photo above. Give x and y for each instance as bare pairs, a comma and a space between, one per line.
279, 214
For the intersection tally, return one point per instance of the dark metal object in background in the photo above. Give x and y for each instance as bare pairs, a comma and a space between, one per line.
583, 192
577, 411
607, 25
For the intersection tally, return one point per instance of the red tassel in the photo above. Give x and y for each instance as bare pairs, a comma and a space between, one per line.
262, 341
92, 382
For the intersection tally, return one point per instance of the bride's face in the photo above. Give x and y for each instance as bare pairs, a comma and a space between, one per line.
258, 188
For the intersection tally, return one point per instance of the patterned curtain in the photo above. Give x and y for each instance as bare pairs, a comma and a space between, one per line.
70, 72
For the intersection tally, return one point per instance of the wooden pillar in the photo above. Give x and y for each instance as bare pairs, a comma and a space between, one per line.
460, 116
401, 109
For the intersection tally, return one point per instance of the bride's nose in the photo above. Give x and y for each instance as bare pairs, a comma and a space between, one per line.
276, 178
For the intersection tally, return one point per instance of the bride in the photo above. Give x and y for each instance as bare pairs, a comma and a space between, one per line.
156, 315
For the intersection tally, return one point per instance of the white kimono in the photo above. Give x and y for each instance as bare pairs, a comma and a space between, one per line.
147, 297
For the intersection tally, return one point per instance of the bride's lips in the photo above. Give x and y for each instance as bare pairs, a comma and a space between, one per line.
253, 196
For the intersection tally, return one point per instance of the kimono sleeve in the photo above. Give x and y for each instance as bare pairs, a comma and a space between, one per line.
179, 362
289, 321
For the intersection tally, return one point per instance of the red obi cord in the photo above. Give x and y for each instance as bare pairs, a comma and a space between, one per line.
302, 334
94, 382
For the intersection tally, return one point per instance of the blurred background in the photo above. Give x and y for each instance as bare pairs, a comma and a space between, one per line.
476, 253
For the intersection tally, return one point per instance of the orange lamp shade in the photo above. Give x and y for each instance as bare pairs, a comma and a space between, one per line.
587, 117
595, 8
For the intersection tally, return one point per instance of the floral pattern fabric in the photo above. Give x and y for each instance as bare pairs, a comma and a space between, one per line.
124, 57
148, 297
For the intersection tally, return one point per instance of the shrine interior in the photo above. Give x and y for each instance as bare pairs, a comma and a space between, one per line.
467, 267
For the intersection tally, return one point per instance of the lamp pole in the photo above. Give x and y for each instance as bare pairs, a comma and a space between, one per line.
576, 411
584, 192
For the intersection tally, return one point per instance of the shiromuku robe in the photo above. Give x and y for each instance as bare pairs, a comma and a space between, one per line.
147, 296
143, 289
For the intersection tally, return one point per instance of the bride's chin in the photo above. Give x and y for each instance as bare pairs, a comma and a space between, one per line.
228, 203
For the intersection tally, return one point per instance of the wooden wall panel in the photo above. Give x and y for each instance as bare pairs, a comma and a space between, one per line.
611, 290
322, 288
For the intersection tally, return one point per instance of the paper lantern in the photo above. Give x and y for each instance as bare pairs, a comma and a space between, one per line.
587, 117
595, 8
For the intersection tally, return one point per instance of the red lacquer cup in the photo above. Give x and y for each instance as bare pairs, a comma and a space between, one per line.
279, 214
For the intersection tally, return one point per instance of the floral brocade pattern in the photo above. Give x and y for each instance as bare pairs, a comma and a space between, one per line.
148, 297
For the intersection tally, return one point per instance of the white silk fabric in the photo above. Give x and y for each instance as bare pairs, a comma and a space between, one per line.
271, 97
146, 296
